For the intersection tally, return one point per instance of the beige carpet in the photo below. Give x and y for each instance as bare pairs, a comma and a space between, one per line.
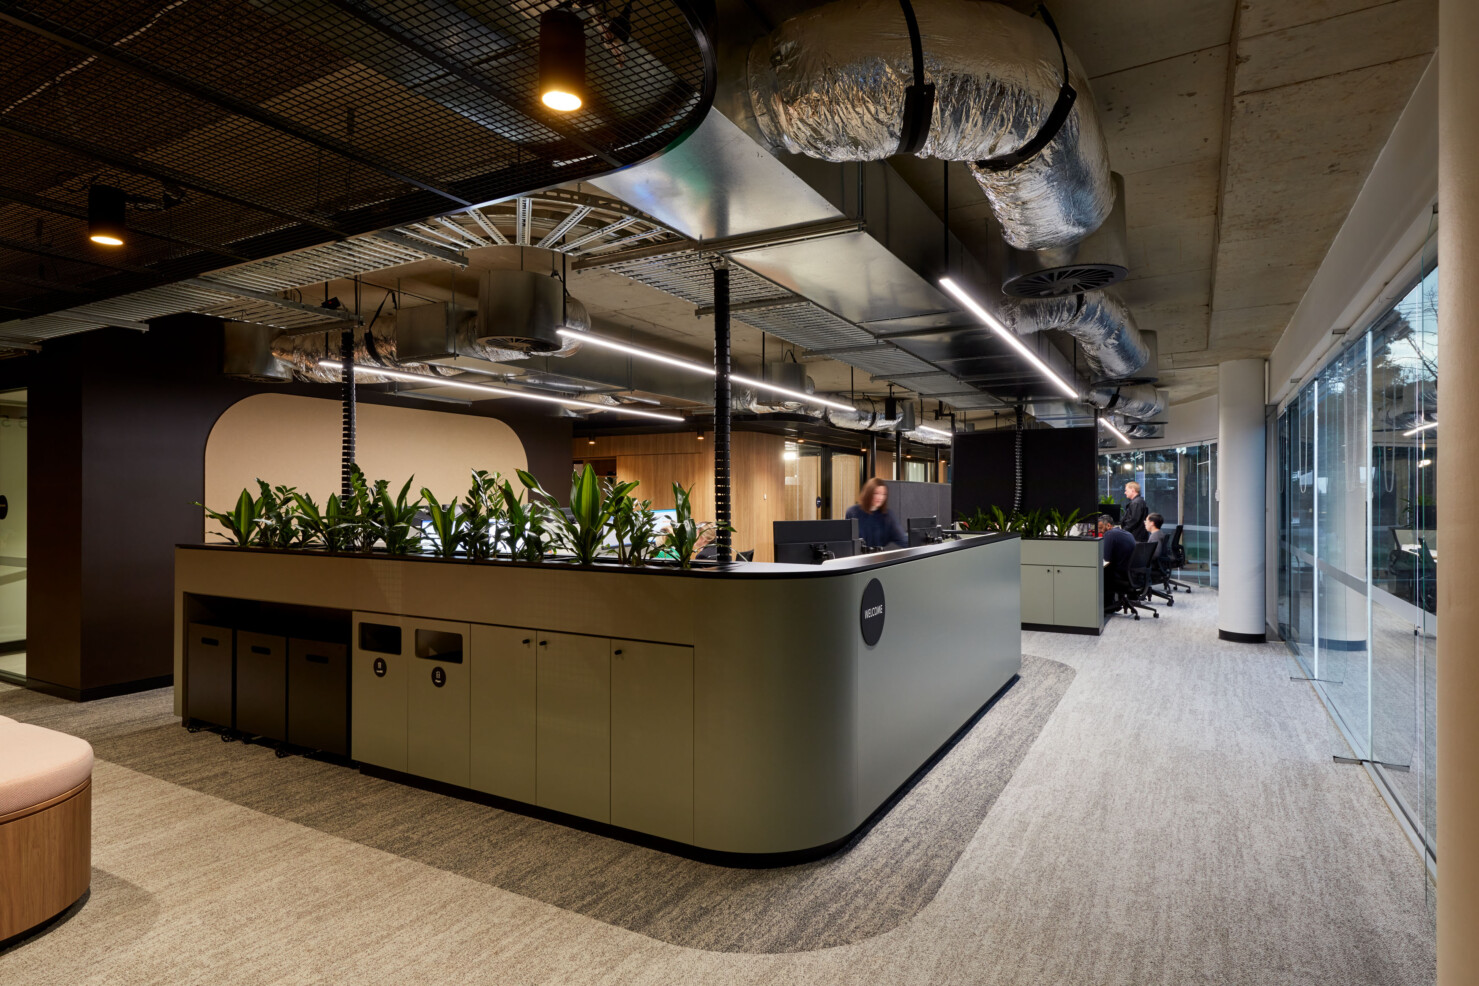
1177, 821
886, 878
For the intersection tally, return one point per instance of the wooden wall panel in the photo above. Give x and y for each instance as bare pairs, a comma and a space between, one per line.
657, 461
847, 480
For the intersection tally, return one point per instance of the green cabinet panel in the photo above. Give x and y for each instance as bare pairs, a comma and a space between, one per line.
652, 738
439, 697
573, 724
503, 712
379, 679
1037, 594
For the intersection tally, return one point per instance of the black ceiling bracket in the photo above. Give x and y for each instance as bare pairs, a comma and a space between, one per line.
1057, 116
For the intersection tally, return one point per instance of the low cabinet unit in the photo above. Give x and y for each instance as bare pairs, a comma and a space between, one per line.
439, 695
379, 676
652, 738
573, 724
1063, 584
502, 730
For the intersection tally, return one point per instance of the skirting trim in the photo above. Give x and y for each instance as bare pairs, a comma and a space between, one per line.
1241, 638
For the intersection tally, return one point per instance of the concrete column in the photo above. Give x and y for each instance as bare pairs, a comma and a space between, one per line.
1241, 501
1458, 467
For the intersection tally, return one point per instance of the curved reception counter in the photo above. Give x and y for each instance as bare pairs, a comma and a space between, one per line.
757, 712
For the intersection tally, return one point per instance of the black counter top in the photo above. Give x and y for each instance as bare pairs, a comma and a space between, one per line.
734, 570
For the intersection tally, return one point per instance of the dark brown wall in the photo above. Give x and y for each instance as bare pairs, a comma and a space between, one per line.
118, 427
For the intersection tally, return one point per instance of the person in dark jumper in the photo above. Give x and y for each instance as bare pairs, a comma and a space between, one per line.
876, 526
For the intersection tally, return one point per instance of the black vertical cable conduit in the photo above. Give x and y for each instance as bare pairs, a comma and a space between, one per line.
721, 409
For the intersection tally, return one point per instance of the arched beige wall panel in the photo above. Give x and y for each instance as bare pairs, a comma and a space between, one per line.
295, 440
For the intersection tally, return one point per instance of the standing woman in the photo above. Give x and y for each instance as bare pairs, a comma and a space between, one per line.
876, 526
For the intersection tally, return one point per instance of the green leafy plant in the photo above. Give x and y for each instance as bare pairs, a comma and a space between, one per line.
323, 526
445, 524
999, 520
241, 523
1061, 524
974, 521
688, 537
1033, 523
1106, 500
635, 527
482, 514
583, 529
392, 520
524, 530
277, 517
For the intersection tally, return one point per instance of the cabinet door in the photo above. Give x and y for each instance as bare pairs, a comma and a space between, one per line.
502, 664
438, 706
378, 680
1037, 594
1079, 597
262, 685
573, 724
652, 738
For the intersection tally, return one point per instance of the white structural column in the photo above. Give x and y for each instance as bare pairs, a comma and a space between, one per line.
1241, 501
1458, 469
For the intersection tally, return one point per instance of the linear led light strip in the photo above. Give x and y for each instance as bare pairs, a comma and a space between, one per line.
935, 431
1115, 431
425, 378
1419, 428
1007, 335
699, 368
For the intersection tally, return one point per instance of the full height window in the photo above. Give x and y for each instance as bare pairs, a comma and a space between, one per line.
1358, 544
1177, 483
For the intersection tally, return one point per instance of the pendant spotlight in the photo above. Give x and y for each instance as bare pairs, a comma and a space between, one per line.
105, 206
561, 59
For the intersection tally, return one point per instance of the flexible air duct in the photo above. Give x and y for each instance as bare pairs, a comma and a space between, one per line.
1138, 401
831, 83
860, 420
1099, 321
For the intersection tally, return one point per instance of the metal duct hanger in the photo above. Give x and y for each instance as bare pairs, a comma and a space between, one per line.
1067, 96
919, 99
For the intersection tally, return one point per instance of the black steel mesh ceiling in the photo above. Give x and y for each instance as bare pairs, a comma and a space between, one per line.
248, 129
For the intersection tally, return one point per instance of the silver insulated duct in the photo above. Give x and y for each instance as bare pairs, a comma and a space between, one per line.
1099, 321
1137, 401
833, 83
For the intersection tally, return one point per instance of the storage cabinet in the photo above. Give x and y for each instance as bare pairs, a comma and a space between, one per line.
262, 685
438, 697
1063, 584
502, 729
379, 676
652, 738
209, 671
573, 724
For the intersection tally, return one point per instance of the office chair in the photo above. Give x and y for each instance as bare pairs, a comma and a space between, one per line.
1132, 589
1428, 572
1172, 559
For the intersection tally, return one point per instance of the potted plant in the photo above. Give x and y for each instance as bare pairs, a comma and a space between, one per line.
1108, 506
688, 537
583, 529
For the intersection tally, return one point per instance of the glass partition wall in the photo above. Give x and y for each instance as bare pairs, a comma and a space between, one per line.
1179, 484
1358, 546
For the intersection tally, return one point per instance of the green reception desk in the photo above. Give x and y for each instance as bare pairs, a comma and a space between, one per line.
740, 710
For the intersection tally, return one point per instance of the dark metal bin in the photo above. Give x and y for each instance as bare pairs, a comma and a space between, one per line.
262, 685
208, 674
318, 695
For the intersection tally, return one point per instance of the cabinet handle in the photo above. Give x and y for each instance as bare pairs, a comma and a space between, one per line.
618, 653
544, 643
526, 640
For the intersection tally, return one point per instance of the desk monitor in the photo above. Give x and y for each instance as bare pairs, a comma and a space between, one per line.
924, 530
807, 542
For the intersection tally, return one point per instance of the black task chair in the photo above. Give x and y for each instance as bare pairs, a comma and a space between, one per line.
1132, 589
1171, 558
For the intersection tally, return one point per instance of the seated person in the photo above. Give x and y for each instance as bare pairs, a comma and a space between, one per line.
1156, 524
876, 526
1119, 544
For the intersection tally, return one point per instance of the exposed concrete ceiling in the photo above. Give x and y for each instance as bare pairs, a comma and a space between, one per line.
1244, 131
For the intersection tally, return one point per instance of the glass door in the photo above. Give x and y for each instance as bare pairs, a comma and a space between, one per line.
13, 423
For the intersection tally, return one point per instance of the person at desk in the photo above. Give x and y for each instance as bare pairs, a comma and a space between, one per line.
1118, 546
876, 526
1135, 512
1156, 525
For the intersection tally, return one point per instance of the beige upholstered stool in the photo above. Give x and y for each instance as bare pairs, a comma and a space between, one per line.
45, 824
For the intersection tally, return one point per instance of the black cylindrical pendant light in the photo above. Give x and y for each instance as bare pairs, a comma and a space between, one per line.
105, 207
561, 60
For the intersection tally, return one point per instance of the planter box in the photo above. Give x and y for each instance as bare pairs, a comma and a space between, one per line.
1063, 585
